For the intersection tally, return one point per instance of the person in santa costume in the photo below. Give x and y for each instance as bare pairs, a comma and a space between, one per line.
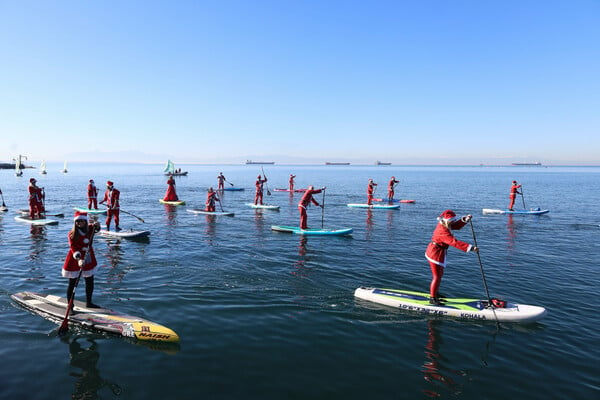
36, 200
305, 201
391, 186
211, 198
370, 191
111, 198
258, 197
171, 194
291, 182
81, 258
221, 181
441, 239
514, 191
92, 194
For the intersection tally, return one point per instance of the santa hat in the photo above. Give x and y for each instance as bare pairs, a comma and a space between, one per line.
514, 182
109, 183
448, 216
32, 180
80, 215
91, 181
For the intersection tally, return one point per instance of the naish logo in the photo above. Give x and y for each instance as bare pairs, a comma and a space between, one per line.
154, 335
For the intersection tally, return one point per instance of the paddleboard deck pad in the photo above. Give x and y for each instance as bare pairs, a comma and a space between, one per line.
232, 189
376, 206
263, 206
54, 309
224, 213
36, 221
532, 211
90, 211
311, 231
172, 203
468, 309
130, 234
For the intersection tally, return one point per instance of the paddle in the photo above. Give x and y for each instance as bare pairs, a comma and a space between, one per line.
3, 205
133, 215
64, 327
487, 292
522, 197
323, 208
268, 191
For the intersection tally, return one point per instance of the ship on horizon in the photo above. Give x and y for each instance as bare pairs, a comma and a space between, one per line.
260, 162
526, 163
382, 163
337, 163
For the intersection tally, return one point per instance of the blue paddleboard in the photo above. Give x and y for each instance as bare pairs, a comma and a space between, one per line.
311, 231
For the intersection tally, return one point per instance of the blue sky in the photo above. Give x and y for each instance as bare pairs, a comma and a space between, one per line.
441, 81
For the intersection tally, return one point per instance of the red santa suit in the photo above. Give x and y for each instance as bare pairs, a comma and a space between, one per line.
391, 186
80, 248
370, 191
36, 200
171, 194
80, 260
292, 182
221, 180
92, 194
211, 197
514, 190
258, 197
305, 201
441, 239
111, 198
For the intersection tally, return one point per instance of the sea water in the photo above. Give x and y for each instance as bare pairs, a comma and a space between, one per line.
270, 315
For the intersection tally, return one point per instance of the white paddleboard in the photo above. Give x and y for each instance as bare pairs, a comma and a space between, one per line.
204, 212
36, 221
125, 234
263, 206
462, 308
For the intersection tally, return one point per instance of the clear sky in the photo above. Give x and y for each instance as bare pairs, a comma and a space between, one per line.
421, 81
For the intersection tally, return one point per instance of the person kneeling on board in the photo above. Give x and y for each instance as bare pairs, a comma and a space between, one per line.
441, 239
211, 197
305, 201
81, 258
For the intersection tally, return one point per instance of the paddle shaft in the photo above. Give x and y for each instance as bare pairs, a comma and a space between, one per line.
263, 172
323, 209
64, 327
523, 197
487, 292
133, 215
3, 205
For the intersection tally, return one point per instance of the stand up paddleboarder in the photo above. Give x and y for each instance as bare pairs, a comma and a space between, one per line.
441, 239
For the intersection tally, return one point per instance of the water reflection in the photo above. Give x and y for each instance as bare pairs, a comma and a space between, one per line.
435, 368
171, 214
38, 238
300, 268
84, 360
369, 223
512, 233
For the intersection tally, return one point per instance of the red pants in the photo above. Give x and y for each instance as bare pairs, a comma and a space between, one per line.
36, 208
210, 207
390, 194
437, 271
258, 197
512, 197
92, 201
303, 217
109, 216
369, 199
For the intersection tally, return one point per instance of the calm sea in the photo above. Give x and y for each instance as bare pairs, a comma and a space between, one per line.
266, 315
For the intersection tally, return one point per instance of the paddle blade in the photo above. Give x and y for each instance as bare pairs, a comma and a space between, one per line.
64, 327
